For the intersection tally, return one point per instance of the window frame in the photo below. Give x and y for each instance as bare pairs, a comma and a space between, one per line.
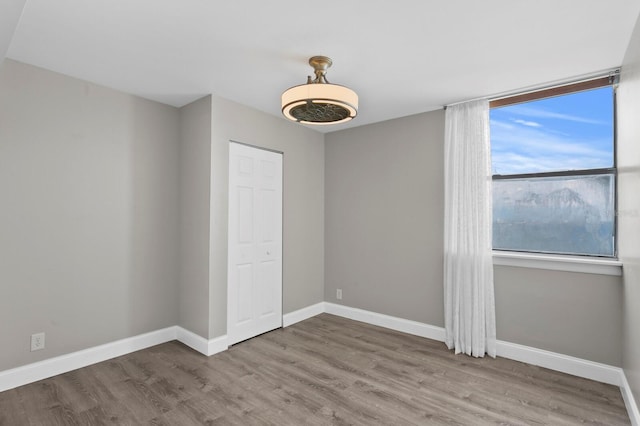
596, 83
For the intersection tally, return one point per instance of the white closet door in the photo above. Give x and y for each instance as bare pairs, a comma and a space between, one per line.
254, 303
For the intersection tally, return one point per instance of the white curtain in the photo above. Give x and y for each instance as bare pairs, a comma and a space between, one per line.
468, 268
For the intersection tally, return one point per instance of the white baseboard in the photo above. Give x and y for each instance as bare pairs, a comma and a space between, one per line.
551, 360
629, 401
216, 345
303, 314
199, 343
193, 340
387, 321
30, 373
558, 362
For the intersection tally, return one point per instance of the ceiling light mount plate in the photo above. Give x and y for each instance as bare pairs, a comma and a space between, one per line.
319, 102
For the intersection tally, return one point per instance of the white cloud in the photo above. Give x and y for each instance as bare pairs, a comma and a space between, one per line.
526, 149
528, 123
501, 124
541, 113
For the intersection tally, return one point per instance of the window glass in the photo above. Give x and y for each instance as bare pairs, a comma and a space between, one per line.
569, 132
566, 202
573, 215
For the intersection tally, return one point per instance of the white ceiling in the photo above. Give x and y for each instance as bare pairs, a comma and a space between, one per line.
402, 57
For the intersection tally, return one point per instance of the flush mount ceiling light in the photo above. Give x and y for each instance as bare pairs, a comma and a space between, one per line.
318, 101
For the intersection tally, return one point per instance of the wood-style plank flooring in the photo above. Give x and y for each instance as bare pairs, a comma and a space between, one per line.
323, 371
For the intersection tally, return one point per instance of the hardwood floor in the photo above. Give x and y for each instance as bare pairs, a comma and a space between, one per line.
323, 371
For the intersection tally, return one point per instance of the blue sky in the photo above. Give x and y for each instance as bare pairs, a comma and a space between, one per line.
568, 132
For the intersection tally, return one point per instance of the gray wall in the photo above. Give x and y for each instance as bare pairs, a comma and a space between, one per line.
195, 173
303, 214
10, 12
89, 218
384, 217
629, 206
384, 246
565, 312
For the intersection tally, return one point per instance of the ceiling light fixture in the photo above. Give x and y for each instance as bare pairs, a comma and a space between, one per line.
318, 101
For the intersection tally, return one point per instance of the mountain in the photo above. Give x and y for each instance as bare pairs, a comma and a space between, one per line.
551, 220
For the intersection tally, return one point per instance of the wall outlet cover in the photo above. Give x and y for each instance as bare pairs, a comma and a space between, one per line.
37, 341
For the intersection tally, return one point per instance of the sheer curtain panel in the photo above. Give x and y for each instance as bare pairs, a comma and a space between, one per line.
469, 303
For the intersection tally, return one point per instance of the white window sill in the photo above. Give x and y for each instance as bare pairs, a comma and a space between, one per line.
588, 265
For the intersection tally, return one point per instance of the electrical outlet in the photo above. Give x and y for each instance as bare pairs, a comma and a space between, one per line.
37, 341
339, 294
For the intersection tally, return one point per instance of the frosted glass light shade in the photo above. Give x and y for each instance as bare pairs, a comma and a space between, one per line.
319, 103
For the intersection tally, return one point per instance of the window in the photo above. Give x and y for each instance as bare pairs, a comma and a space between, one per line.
554, 176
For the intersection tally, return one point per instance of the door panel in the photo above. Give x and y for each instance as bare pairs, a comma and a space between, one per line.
245, 215
267, 274
245, 286
255, 242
